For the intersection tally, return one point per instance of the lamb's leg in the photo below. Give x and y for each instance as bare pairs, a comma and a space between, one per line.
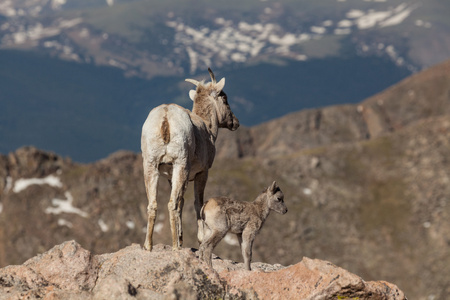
201, 248
208, 245
199, 188
151, 175
248, 236
179, 183
239, 237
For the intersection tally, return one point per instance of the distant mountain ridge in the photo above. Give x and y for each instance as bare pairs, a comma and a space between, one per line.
107, 63
149, 38
420, 96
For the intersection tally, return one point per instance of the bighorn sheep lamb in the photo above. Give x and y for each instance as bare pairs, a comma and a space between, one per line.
245, 219
180, 145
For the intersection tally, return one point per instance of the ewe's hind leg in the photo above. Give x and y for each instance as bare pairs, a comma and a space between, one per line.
151, 175
179, 182
199, 189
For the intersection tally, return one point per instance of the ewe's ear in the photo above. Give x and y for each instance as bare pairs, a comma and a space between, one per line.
219, 86
192, 94
273, 187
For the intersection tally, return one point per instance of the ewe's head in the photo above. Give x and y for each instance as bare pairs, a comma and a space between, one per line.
276, 199
212, 93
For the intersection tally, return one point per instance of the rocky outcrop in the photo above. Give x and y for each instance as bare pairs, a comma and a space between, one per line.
67, 271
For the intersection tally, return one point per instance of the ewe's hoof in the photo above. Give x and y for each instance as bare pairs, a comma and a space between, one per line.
148, 247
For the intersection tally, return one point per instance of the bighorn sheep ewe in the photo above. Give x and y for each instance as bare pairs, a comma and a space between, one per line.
245, 219
180, 145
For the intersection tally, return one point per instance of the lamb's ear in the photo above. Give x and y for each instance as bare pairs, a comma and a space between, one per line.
220, 85
273, 187
192, 94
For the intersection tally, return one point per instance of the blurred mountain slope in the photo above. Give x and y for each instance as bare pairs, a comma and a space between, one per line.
366, 185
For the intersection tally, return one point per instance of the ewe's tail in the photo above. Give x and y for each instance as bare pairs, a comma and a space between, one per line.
165, 130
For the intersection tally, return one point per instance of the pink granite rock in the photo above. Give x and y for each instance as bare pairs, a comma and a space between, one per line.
68, 271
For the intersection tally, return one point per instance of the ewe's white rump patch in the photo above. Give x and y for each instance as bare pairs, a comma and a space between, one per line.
23, 183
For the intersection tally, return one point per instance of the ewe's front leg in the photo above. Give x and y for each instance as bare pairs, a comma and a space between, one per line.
199, 189
176, 202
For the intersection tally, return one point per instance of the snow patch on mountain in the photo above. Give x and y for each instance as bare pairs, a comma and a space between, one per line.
64, 222
24, 183
228, 41
237, 42
8, 184
219, 40
31, 33
421, 23
103, 226
65, 206
372, 18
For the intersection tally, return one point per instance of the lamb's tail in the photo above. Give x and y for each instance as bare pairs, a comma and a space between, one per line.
201, 226
202, 213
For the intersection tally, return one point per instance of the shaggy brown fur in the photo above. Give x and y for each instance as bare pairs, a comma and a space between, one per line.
202, 104
180, 145
245, 219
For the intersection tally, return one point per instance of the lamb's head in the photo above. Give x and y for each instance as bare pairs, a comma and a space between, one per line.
276, 199
212, 93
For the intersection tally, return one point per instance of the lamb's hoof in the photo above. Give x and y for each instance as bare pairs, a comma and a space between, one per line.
148, 247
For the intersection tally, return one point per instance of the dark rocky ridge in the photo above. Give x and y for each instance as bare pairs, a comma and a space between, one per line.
425, 94
367, 187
